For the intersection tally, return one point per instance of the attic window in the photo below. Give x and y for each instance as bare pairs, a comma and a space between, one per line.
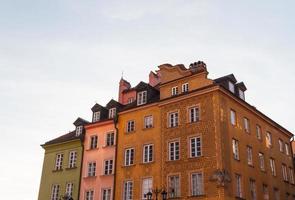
79, 130
96, 116
112, 113
141, 98
231, 87
241, 94
174, 91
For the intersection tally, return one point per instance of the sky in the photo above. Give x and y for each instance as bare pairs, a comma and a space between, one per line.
59, 57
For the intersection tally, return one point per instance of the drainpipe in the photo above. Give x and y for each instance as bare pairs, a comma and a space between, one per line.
81, 164
116, 118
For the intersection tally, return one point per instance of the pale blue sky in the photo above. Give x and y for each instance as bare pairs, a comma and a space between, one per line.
57, 58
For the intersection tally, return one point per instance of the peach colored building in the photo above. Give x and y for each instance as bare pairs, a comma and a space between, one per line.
97, 177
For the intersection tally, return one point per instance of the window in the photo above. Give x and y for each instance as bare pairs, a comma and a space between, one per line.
110, 139
54, 192
241, 94
291, 175
231, 86
284, 172
276, 194
96, 116
193, 114
185, 87
246, 125
148, 121
108, 167
58, 161
79, 130
249, 156
72, 159
265, 192
130, 100
197, 185
233, 117
112, 113
236, 149
106, 194
195, 147
130, 126
89, 195
129, 156
128, 190
253, 189
141, 98
261, 161
173, 186
258, 132
239, 185
148, 153
91, 168
173, 119
93, 142
281, 145
174, 91
147, 185
174, 150
268, 139
69, 189
287, 149
272, 166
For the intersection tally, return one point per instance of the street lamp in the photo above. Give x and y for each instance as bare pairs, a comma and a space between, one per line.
164, 195
149, 195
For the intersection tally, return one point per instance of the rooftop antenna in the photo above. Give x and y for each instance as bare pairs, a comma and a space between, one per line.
122, 75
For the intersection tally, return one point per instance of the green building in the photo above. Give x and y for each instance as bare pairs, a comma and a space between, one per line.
62, 165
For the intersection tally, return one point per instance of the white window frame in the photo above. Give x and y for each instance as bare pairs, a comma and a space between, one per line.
197, 183
250, 155
106, 193
235, 146
247, 124
130, 126
231, 86
173, 119
93, 141
148, 121
146, 186
258, 132
233, 117
241, 94
253, 192
174, 91
184, 87
148, 153
141, 97
130, 100
265, 192
291, 175
195, 144
284, 172
69, 189
239, 187
281, 145
89, 195
108, 167
72, 159
59, 161
173, 186
96, 116
128, 190
268, 138
110, 138
287, 149
55, 192
79, 130
91, 169
272, 165
112, 112
174, 150
129, 156
194, 114
261, 161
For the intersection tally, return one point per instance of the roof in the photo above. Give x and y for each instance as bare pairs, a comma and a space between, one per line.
97, 107
230, 77
65, 138
79, 121
112, 103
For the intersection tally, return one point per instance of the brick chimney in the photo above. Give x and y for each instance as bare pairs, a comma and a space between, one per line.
123, 85
154, 79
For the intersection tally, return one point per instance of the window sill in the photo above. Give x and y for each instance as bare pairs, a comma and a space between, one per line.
92, 149
90, 177
71, 168
173, 127
196, 122
236, 159
251, 165
57, 170
127, 166
196, 157
147, 163
106, 175
198, 196
167, 161
109, 146
147, 128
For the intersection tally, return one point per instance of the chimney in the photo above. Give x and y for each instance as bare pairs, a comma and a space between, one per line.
123, 85
154, 79
199, 66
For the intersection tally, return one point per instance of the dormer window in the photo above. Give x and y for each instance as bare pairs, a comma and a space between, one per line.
96, 116
241, 94
174, 91
231, 86
112, 113
185, 87
79, 130
130, 100
141, 98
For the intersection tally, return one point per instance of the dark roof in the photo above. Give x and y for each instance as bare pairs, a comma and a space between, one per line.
65, 138
242, 86
79, 121
112, 103
97, 107
230, 77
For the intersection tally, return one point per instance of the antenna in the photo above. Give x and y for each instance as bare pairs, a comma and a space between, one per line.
122, 75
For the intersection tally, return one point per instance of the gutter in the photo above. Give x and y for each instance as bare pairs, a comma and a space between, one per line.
116, 119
